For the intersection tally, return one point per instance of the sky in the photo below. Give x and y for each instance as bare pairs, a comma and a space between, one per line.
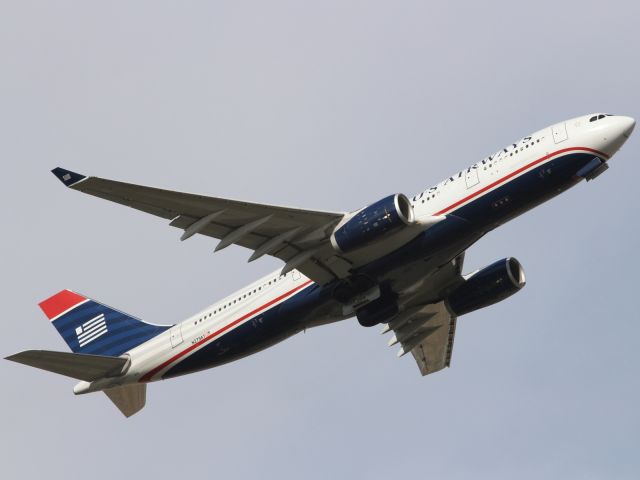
323, 105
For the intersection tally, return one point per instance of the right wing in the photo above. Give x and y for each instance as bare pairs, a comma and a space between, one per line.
298, 237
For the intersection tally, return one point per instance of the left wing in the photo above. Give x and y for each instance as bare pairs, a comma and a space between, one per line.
426, 328
298, 237
427, 332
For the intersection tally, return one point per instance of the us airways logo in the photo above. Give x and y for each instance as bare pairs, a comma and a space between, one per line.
92, 329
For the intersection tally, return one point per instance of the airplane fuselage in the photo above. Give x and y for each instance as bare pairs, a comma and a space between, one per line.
473, 201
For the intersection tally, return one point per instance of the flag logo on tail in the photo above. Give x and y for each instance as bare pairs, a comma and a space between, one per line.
82, 323
91, 329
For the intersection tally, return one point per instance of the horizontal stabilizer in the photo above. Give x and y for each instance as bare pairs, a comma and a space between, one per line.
74, 365
129, 399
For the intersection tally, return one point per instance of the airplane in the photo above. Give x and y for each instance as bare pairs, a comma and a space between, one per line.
397, 262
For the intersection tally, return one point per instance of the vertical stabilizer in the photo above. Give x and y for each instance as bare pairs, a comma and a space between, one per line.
93, 328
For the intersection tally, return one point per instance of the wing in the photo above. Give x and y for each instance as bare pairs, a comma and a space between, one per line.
298, 237
427, 329
428, 335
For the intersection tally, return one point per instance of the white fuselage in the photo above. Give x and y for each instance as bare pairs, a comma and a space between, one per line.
261, 301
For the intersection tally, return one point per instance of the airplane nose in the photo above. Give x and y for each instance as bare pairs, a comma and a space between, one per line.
611, 132
627, 124
620, 131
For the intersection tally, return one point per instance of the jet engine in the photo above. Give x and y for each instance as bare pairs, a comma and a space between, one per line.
373, 223
380, 310
490, 285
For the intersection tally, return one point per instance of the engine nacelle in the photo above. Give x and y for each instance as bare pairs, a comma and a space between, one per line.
373, 223
490, 285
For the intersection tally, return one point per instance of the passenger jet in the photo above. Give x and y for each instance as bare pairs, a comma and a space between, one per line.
397, 262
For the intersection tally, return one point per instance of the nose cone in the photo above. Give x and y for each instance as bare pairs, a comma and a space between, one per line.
608, 134
627, 124
621, 129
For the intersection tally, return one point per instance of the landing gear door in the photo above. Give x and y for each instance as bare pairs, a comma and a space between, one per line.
176, 335
559, 132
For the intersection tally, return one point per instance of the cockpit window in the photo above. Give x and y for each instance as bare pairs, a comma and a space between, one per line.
600, 116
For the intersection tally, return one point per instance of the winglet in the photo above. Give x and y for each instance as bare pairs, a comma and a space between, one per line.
67, 177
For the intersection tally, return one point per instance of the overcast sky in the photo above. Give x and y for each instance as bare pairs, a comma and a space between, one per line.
327, 105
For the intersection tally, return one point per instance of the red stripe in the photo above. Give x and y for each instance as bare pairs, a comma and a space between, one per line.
514, 173
60, 302
147, 376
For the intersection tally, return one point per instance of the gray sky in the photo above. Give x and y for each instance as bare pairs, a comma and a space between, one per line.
327, 105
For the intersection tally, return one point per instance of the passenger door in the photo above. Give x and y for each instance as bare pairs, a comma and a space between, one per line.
559, 132
175, 334
471, 177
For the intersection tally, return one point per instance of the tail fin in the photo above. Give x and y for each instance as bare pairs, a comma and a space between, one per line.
93, 328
